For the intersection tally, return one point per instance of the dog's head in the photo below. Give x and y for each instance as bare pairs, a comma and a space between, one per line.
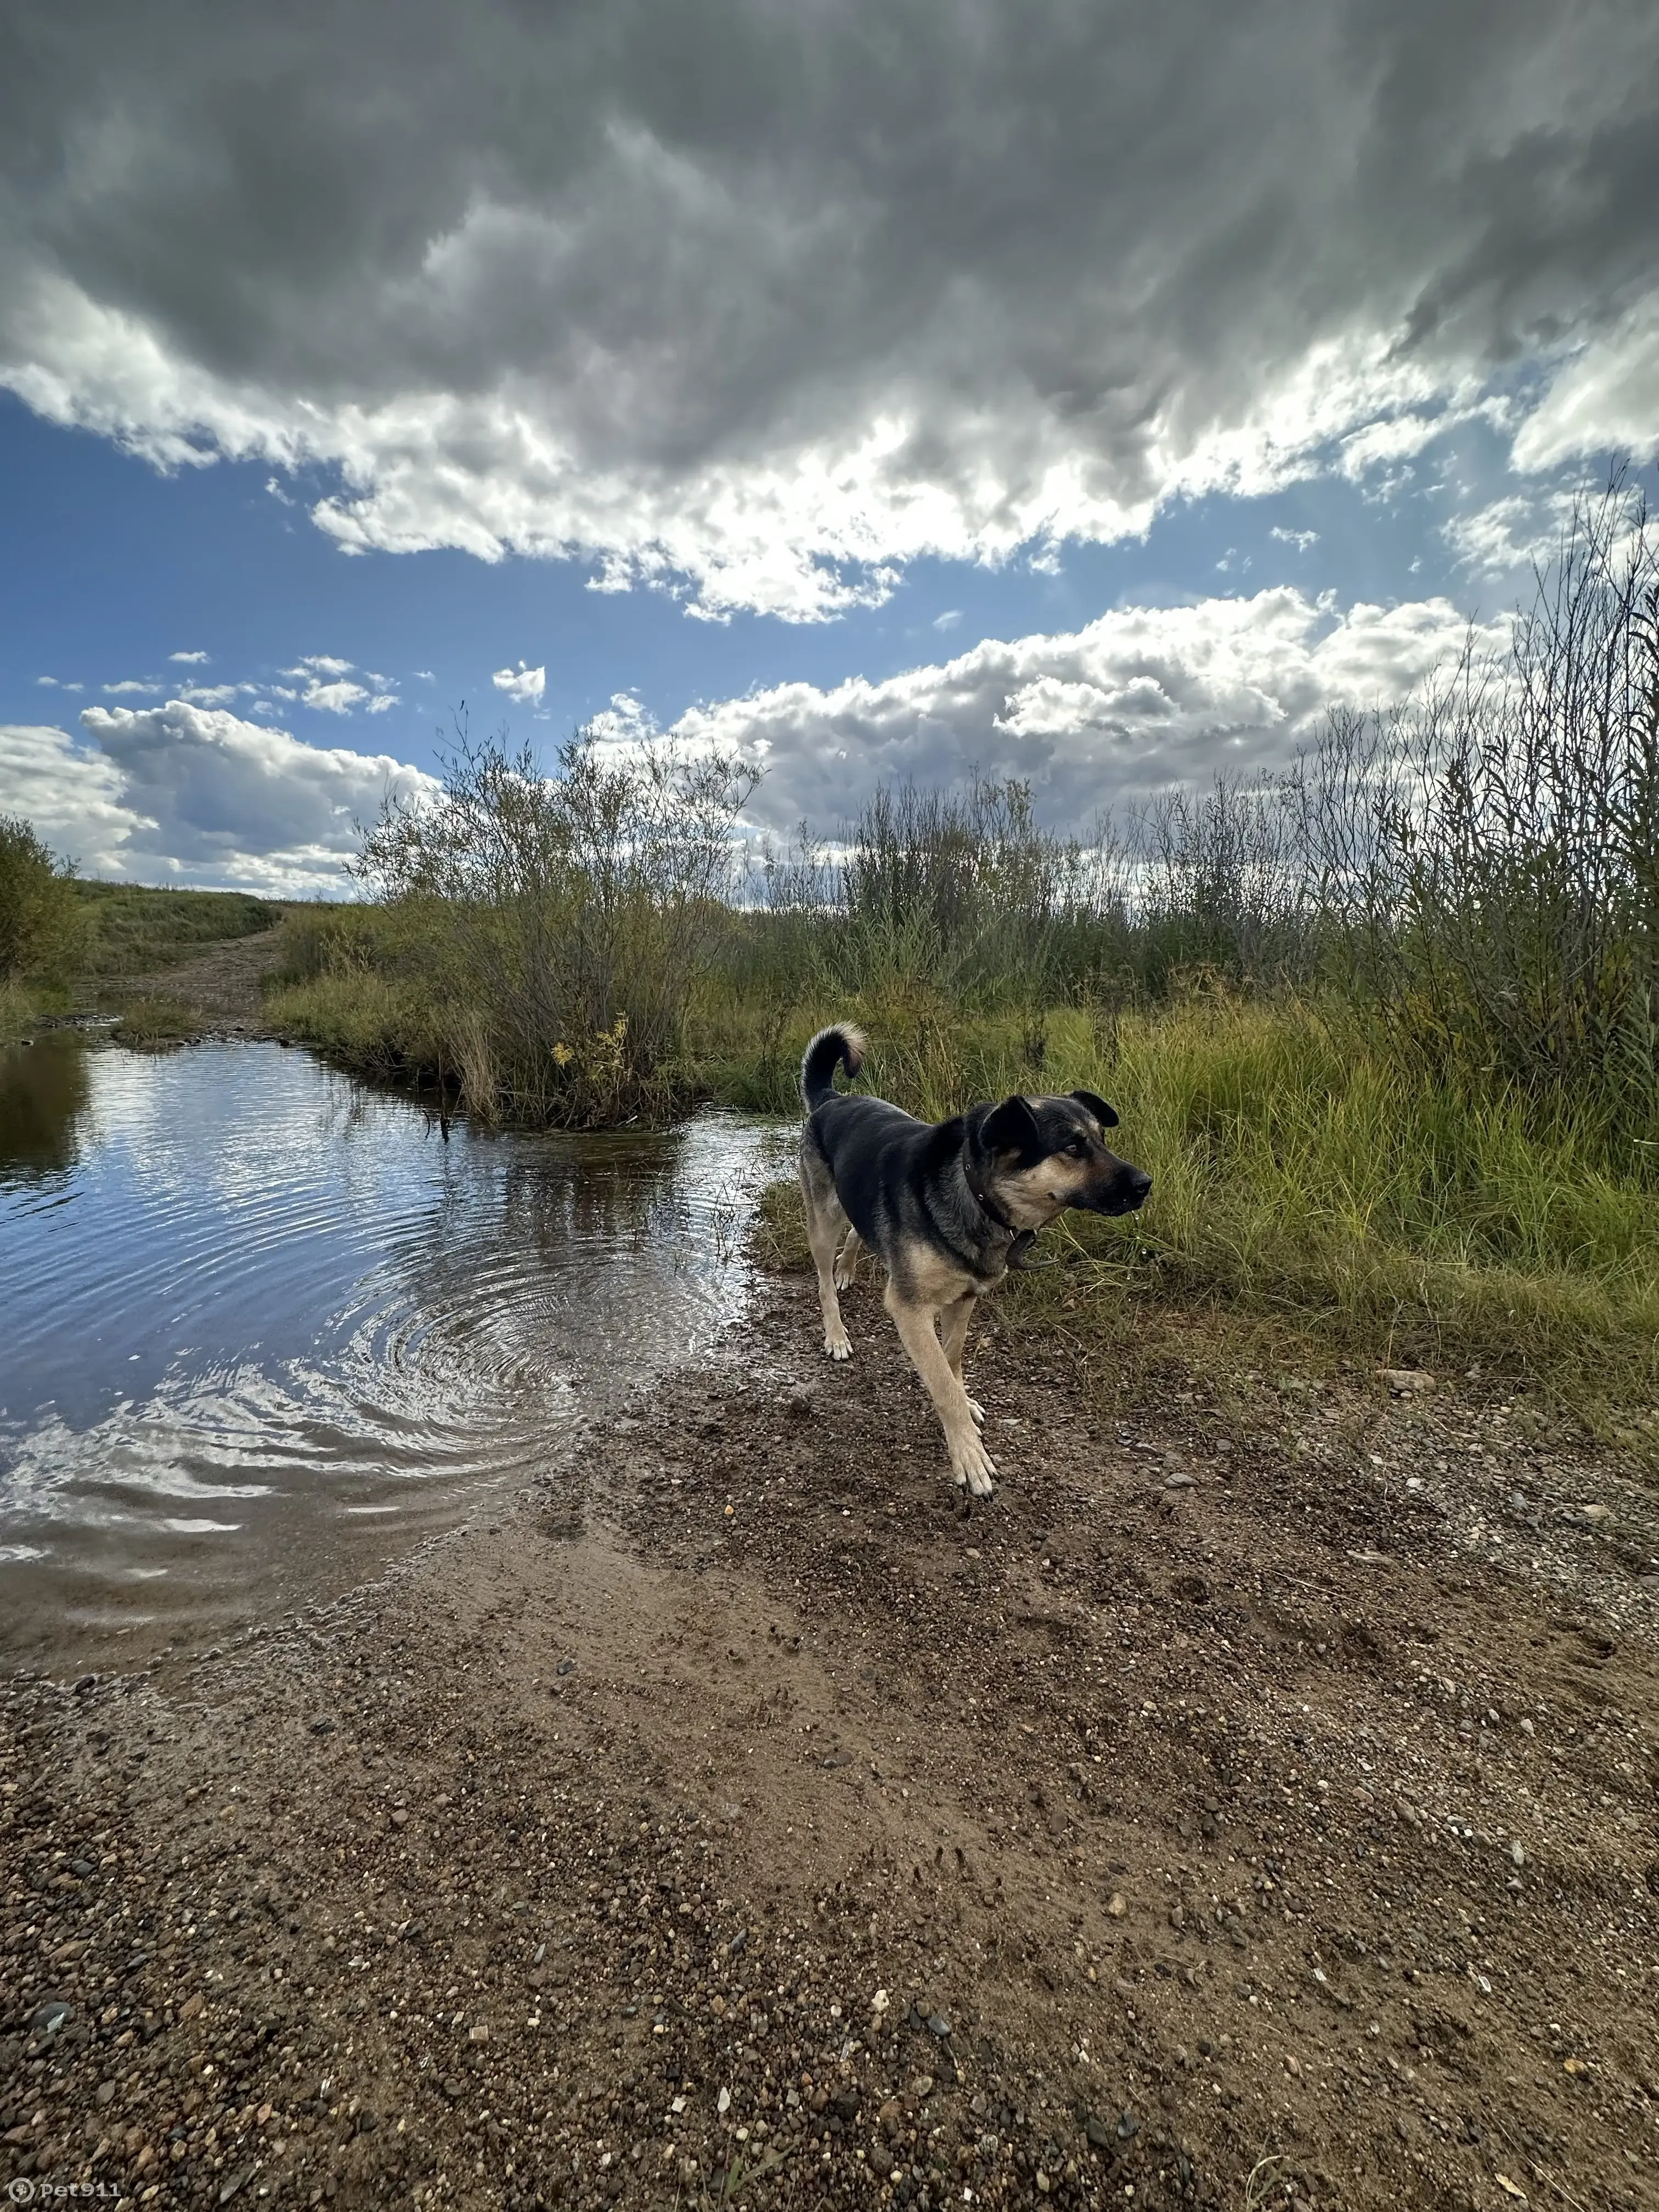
1041, 1155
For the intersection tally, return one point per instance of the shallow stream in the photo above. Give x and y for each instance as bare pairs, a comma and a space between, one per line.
261, 1326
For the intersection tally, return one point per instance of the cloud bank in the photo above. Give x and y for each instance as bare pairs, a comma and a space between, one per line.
191, 794
758, 303
1094, 718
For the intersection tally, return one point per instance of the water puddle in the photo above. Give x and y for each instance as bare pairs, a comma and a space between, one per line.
261, 1327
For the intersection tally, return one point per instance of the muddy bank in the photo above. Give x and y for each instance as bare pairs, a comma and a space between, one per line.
1268, 1795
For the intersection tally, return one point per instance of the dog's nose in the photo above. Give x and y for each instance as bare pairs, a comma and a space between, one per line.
1139, 1182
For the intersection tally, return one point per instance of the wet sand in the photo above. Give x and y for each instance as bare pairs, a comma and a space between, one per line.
1254, 1805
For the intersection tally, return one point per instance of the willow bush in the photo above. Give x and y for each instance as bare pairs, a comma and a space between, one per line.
555, 923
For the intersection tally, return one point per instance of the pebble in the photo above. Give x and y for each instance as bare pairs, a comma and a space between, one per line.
1404, 1380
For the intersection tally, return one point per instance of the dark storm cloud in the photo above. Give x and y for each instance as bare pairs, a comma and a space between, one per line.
763, 298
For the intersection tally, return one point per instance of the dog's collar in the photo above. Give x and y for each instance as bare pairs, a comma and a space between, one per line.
1021, 1240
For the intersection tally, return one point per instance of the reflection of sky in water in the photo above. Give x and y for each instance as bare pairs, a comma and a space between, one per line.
245, 1303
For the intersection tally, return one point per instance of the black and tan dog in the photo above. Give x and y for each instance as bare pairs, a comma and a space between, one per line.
947, 1208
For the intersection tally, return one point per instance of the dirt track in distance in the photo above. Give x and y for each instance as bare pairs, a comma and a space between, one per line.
222, 983
730, 1820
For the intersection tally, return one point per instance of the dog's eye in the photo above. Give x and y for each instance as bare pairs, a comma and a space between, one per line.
1079, 1148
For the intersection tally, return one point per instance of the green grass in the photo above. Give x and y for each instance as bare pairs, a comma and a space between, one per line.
25, 1006
156, 1022
381, 1026
1306, 1192
136, 931
1309, 1187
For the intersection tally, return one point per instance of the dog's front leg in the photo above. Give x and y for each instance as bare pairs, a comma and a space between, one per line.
970, 1463
953, 1335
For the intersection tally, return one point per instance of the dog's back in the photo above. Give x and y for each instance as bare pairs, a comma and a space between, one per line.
876, 1154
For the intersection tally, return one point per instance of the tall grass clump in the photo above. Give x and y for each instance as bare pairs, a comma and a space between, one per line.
1486, 861
551, 929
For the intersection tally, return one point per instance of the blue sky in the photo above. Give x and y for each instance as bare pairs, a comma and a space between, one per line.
1108, 464
116, 565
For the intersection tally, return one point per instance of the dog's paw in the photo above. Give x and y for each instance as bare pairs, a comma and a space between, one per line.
978, 1412
837, 1343
973, 1466
846, 1276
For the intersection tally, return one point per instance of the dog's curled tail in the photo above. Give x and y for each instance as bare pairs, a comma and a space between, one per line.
841, 1045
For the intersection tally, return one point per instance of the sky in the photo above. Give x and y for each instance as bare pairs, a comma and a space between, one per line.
1045, 388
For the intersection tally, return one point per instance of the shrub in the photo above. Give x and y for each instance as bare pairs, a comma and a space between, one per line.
561, 920
40, 917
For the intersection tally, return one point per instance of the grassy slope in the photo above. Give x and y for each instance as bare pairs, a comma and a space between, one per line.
123, 931
138, 931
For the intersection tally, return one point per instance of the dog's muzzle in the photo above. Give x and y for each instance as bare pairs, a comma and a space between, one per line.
1127, 1193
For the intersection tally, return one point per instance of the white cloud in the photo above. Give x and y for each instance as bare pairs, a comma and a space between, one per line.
197, 660
1607, 396
958, 284
949, 620
337, 698
382, 702
322, 664
1141, 699
190, 793
129, 684
56, 683
522, 685
1304, 540
73, 796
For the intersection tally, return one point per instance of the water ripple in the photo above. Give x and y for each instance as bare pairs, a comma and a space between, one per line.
252, 1313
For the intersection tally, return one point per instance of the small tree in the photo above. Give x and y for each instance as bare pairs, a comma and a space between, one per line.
39, 910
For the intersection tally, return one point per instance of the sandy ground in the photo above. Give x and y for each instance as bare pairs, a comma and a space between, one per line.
1254, 1805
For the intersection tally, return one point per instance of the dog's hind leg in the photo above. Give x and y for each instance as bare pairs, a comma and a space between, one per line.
953, 1336
970, 1463
847, 1260
825, 1223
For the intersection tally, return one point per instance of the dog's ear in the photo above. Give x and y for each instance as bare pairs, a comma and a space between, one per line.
1102, 1112
1011, 1127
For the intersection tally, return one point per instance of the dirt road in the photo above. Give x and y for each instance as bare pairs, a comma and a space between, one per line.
1255, 1805
222, 983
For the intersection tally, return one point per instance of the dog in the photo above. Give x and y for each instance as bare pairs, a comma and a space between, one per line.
947, 1208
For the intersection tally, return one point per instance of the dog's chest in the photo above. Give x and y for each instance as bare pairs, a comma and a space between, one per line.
931, 1278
